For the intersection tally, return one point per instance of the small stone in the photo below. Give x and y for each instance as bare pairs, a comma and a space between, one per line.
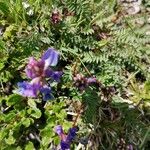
139, 22
138, 2
148, 20
148, 9
1, 31
131, 1
131, 6
134, 10
84, 140
148, 33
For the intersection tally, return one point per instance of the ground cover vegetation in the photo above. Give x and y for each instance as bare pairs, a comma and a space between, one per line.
74, 74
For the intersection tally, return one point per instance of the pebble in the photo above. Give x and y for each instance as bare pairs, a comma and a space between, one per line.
140, 22
131, 6
1, 31
148, 9
133, 10
148, 20
148, 33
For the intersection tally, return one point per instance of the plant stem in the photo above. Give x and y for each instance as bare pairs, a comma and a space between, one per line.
144, 139
78, 114
81, 62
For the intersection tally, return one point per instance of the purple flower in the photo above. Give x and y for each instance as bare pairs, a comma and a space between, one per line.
56, 75
46, 91
59, 130
55, 18
27, 89
38, 71
50, 57
82, 82
48, 73
130, 147
66, 139
91, 80
64, 145
40, 68
34, 68
71, 134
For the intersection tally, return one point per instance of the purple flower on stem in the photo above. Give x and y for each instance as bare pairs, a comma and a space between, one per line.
41, 68
82, 82
38, 71
66, 139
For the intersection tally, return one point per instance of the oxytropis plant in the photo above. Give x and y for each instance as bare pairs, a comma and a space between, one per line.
37, 72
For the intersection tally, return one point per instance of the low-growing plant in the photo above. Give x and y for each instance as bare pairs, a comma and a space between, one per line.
95, 97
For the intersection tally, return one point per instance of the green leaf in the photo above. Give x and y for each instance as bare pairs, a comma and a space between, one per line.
102, 43
90, 98
10, 116
19, 148
45, 40
47, 135
26, 122
4, 8
147, 86
29, 146
1, 65
8, 32
2, 46
31, 103
10, 140
3, 133
13, 99
56, 140
36, 113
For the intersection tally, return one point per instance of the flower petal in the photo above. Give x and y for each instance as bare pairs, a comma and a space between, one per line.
46, 91
50, 57
64, 145
29, 69
71, 134
27, 89
56, 75
91, 80
48, 73
34, 68
59, 130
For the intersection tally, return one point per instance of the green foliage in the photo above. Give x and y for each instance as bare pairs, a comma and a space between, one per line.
90, 99
25, 125
94, 37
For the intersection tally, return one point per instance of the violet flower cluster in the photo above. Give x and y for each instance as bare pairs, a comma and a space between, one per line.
66, 139
82, 82
37, 72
